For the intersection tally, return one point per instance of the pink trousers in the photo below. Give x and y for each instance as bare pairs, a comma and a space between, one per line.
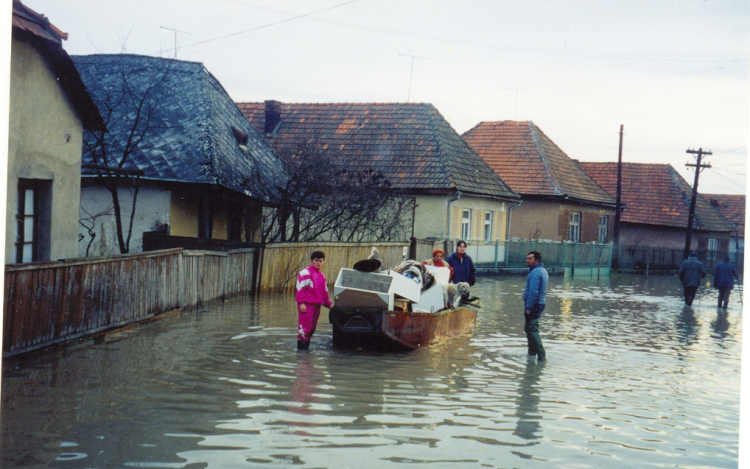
307, 321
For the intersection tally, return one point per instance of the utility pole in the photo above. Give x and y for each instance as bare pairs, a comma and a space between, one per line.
408, 96
691, 214
618, 207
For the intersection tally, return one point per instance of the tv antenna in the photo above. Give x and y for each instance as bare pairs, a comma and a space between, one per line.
412, 70
175, 37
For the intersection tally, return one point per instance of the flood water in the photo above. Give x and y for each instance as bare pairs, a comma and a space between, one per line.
633, 379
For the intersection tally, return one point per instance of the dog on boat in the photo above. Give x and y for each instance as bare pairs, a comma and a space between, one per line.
452, 293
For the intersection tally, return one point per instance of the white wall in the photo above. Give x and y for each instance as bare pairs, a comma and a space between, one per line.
152, 209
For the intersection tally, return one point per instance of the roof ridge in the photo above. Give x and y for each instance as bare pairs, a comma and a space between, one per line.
543, 157
442, 156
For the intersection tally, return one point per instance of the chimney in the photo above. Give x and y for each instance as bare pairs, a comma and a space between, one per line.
272, 116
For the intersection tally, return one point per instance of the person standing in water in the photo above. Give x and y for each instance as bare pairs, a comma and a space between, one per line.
312, 293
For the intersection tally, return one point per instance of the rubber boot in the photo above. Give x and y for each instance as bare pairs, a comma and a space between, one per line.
303, 344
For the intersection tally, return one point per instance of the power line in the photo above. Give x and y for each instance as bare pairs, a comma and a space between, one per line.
270, 24
591, 54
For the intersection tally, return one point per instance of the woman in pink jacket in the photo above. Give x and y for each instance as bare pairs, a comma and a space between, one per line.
312, 293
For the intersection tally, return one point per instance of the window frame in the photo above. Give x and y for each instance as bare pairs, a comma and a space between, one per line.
23, 215
489, 224
466, 223
574, 227
603, 228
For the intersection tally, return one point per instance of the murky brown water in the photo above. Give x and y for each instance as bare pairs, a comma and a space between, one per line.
634, 379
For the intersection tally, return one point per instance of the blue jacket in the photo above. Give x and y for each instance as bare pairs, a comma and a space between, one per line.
463, 269
724, 275
535, 291
691, 272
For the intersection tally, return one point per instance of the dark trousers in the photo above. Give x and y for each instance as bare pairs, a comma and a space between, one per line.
531, 328
724, 296
690, 295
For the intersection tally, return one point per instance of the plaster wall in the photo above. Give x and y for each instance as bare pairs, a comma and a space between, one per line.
152, 212
44, 143
431, 218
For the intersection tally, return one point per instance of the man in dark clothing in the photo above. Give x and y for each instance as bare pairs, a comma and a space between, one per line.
691, 272
724, 275
535, 297
463, 267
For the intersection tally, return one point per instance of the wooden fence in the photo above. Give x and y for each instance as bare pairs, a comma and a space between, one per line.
53, 302
282, 261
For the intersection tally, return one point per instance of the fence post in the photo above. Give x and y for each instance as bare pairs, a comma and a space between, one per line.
575, 260
563, 257
496, 250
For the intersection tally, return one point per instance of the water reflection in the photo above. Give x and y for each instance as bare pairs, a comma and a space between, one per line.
527, 404
632, 381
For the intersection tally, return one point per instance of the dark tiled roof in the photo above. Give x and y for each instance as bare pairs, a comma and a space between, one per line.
530, 163
655, 194
412, 145
34, 28
191, 138
732, 206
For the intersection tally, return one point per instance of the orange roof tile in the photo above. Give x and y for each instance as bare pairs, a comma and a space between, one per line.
656, 194
732, 206
411, 144
531, 164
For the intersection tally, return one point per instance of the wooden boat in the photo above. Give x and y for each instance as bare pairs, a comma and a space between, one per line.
381, 329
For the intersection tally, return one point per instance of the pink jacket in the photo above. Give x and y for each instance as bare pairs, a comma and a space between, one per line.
312, 287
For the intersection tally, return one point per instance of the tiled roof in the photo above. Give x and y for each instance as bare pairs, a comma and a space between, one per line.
192, 135
655, 194
412, 145
530, 163
35, 29
732, 206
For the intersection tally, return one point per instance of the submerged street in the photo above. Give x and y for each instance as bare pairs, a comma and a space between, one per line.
634, 379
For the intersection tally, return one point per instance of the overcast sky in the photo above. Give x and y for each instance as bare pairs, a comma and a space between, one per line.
675, 74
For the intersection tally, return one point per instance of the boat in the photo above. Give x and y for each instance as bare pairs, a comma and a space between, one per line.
389, 311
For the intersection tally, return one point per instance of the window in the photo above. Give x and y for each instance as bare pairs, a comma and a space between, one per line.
488, 226
713, 248
465, 223
603, 224
574, 227
27, 222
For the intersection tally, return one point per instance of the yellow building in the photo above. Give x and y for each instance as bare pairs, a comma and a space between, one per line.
49, 109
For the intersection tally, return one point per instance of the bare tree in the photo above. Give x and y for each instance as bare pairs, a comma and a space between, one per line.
324, 200
128, 100
89, 223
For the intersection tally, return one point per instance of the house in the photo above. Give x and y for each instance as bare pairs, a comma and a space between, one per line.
560, 202
457, 195
49, 110
732, 206
181, 145
656, 202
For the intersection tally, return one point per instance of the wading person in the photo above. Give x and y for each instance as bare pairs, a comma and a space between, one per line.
312, 293
724, 275
437, 260
463, 267
535, 297
691, 272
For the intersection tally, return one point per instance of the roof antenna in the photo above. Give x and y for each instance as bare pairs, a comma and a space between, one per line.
175, 37
412, 71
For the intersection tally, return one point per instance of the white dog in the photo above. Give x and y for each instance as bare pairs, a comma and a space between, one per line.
452, 293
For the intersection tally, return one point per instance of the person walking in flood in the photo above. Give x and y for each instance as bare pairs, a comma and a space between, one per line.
724, 275
535, 297
312, 293
463, 267
691, 272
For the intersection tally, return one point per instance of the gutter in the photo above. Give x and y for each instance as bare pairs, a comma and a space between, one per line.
510, 217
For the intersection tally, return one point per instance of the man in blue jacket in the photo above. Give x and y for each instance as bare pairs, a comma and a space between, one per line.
691, 272
724, 275
535, 297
